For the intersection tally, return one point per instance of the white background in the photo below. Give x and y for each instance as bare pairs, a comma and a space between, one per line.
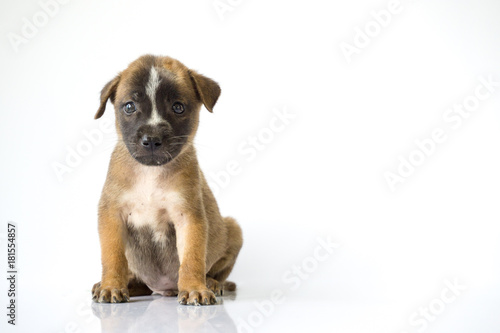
321, 176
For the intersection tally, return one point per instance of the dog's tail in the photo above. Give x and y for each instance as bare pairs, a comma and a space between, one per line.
229, 286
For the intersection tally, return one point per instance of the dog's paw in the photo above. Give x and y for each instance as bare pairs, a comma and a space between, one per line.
197, 297
109, 294
216, 287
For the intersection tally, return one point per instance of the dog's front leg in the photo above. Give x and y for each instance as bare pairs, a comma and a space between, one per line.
191, 233
113, 285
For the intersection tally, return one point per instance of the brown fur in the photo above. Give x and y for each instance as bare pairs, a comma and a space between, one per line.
197, 247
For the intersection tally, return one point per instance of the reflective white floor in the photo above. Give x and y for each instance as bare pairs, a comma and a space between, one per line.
330, 299
293, 313
308, 285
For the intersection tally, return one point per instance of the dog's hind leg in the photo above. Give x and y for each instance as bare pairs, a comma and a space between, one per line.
218, 273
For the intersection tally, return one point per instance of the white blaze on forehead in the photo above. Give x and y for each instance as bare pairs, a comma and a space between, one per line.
151, 88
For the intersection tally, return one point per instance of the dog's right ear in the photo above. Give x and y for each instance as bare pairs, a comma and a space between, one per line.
108, 92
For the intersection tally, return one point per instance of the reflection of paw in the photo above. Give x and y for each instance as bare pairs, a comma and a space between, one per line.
216, 287
110, 311
196, 297
196, 313
109, 294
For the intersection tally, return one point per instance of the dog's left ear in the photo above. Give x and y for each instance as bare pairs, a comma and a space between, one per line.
207, 89
108, 92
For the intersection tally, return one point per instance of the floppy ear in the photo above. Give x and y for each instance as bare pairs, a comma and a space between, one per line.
207, 89
108, 92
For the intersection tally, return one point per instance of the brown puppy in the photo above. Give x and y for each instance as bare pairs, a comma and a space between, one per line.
159, 224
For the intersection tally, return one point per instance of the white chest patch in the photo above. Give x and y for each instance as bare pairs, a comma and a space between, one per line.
149, 202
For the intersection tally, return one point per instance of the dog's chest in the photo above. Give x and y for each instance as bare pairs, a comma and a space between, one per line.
150, 202
148, 210
144, 203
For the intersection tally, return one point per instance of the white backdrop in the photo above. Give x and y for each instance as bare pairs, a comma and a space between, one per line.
322, 102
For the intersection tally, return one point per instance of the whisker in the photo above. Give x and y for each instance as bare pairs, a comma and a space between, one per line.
171, 158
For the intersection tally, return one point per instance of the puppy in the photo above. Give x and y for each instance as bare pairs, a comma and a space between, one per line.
160, 228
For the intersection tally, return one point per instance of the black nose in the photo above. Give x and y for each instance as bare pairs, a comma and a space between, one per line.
150, 142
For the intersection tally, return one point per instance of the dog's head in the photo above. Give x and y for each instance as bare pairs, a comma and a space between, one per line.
157, 103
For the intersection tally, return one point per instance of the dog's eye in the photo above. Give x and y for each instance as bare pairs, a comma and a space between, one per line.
129, 108
178, 108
